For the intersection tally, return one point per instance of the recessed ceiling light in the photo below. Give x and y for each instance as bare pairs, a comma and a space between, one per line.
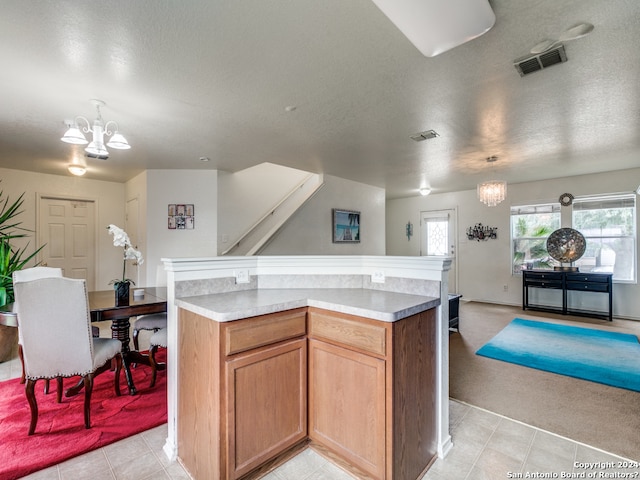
290, 108
77, 170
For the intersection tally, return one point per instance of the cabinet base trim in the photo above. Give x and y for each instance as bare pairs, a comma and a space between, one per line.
339, 461
275, 462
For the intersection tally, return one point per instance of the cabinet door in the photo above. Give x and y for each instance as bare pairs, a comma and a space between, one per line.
347, 405
266, 404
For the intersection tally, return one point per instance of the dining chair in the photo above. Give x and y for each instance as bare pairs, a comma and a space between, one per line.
158, 339
55, 325
153, 322
26, 275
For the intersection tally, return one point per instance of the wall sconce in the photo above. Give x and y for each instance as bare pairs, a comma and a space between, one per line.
480, 232
409, 230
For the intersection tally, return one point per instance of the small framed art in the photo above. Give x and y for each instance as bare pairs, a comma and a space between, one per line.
346, 226
181, 216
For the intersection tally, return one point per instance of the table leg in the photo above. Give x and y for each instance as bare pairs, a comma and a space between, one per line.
120, 330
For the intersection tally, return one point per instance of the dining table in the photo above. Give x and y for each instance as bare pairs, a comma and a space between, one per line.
103, 306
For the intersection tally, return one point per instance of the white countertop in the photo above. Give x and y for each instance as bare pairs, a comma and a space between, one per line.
375, 304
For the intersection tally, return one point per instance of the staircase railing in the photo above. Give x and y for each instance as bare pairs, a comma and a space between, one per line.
260, 232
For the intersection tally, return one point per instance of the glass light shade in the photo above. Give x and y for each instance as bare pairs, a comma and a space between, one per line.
74, 136
77, 170
118, 142
492, 193
96, 148
425, 191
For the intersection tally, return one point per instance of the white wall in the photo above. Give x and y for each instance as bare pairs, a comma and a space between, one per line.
109, 198
309, 231
156, 189
484, 268
246, 196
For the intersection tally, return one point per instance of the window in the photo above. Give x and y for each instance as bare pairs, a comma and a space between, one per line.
608, 224
530, 227
435, 228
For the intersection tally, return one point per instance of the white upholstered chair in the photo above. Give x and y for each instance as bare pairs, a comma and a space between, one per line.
26, 275
153, 321
158, 339
55, 328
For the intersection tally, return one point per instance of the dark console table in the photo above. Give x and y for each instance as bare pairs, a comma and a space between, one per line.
567, 281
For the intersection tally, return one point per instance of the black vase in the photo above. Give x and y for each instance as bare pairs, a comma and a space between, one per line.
122, 294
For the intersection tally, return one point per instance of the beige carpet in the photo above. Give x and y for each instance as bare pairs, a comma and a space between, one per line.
598, 415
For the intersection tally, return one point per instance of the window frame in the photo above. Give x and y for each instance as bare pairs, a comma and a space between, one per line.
533, 209
616, 198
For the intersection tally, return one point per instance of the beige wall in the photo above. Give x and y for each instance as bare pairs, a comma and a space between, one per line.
309, 231
155, 190
484, 268
109, 199
245, 197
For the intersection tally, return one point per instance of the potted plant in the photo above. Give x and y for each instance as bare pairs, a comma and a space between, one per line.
11, 259
122, 285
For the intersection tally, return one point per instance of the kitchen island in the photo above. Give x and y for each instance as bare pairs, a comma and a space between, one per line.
360, 344
352, 372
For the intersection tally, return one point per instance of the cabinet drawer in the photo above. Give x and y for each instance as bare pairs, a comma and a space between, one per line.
586, 277
342, 330
543, 283
263, 330
539, 276
588, 286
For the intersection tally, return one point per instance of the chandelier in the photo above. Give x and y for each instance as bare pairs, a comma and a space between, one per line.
99, 129
492, 193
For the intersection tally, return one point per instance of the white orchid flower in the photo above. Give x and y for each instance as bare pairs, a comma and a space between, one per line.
121, 239
131, 253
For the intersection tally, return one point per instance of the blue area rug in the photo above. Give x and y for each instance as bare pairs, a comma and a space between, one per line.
599, 356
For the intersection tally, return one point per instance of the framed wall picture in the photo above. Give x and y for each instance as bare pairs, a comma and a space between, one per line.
181, 216
346, 226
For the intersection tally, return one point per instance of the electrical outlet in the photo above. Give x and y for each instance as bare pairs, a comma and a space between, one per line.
225, 238
242, 276
377, 277
505, 288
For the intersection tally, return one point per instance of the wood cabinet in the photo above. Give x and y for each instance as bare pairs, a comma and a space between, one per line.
347, 405
372, 398
242, 396
361, 390
267, 404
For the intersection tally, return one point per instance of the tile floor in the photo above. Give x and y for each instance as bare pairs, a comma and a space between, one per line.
486, 446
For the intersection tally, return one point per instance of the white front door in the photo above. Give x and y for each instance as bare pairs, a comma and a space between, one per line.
67, 227
438, 238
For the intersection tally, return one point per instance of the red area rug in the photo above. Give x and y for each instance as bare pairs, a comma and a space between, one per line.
60, 433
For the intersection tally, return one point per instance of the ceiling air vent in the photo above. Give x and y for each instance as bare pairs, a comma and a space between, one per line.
533, 63
93, 155
418, 137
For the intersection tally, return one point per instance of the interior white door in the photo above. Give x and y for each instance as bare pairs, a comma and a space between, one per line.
67, 229
438, 237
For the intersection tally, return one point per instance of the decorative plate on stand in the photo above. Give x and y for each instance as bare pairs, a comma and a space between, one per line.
566, 245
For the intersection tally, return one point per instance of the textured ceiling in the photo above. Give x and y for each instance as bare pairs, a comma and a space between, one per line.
207, 78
